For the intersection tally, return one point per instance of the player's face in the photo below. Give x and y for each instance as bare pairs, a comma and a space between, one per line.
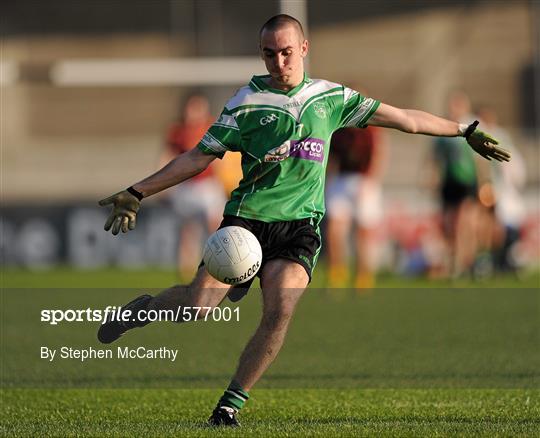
283, 52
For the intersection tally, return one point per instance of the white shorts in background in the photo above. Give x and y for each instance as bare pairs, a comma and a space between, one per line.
200, 198
354, 196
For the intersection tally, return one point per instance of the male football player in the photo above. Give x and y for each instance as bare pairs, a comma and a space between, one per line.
281, 123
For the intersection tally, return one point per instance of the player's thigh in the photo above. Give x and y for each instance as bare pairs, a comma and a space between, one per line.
206, 291
283, 282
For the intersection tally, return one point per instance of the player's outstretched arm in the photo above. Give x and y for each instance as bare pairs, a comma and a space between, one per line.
126, 203
420, 122
183, 167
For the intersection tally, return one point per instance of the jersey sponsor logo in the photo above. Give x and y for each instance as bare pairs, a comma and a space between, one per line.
307, 149
278, 154
268, 119
320, 109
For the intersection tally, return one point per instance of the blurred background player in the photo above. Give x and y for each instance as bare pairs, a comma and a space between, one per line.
354, 200
504, 212
457, 182
198, 202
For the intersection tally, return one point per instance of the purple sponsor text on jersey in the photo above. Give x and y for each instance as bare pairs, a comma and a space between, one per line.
308, 149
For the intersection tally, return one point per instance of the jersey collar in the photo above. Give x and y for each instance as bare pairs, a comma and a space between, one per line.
258, 83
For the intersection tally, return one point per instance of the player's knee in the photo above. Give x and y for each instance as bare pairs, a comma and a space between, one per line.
277, 318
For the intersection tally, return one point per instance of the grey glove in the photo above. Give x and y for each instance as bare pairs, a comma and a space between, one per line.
124, 213
484, 144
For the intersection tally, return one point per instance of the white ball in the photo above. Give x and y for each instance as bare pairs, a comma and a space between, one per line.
232, 255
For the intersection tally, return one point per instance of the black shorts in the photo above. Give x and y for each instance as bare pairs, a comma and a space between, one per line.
454, 193
298, 240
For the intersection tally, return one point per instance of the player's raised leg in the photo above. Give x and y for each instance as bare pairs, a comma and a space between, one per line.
283, 283
204, 291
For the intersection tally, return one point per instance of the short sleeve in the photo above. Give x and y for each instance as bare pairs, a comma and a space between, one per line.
357, 109
222, 136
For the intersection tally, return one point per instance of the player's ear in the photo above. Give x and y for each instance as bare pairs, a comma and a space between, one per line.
304, 48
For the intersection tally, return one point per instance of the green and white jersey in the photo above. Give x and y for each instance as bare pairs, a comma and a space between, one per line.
284, 139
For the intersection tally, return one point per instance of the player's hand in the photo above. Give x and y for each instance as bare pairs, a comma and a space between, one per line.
486, 145
124, 213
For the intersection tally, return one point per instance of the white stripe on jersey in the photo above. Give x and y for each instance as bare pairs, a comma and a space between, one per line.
247, 96
213, 143
348, 94
322, 96
263, 108
292, 105
226, 121
318, 86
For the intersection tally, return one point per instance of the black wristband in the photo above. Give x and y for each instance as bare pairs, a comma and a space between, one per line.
470, 129
135, 193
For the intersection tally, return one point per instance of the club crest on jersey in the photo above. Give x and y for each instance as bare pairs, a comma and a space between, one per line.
320, 109
307, 149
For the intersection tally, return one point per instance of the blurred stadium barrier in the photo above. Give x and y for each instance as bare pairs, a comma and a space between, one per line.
47, 236
72, 234
155, 72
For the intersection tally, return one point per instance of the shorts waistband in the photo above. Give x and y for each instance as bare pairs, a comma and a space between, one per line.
293, 221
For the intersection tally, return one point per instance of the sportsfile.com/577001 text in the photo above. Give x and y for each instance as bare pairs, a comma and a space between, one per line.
110, 313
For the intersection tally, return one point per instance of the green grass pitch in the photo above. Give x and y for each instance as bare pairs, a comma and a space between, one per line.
414, 358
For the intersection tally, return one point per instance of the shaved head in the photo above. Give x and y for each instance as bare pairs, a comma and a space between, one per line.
279, 22
283, 48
